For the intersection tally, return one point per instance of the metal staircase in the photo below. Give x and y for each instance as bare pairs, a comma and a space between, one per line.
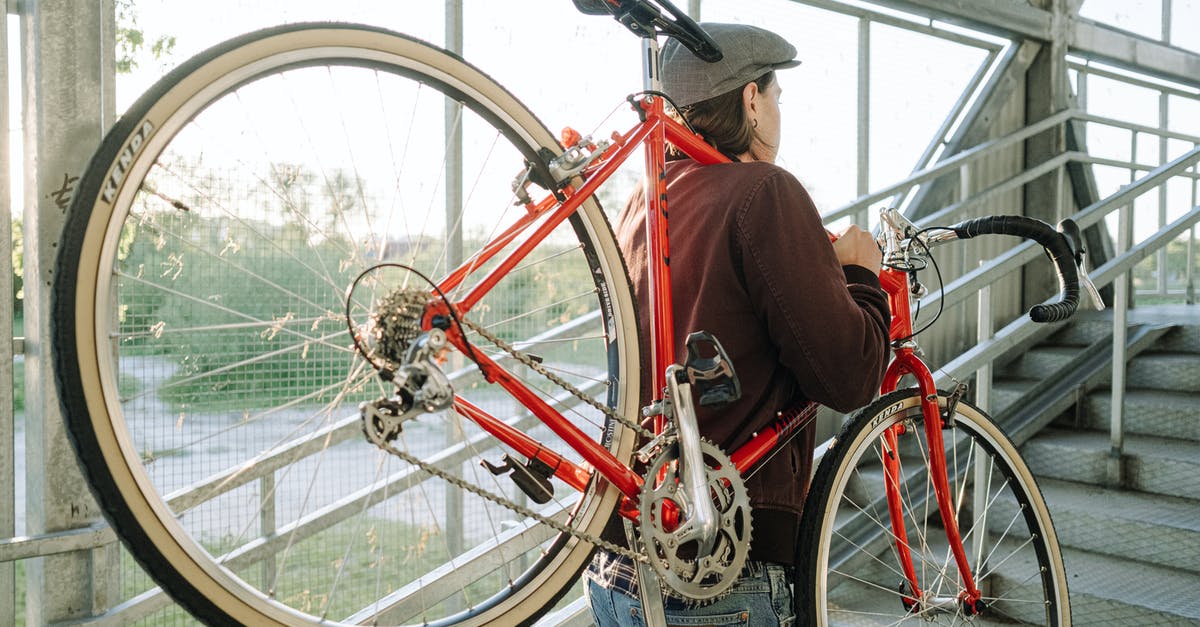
1129, 525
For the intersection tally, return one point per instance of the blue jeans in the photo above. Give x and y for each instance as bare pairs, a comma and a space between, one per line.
761, 597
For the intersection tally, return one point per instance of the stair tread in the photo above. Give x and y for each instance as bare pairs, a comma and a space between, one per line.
1162, 589
1137, 445
1189, 400
1170, 511
1011, 383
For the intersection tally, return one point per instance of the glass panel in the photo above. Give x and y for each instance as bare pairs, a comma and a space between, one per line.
1143, 17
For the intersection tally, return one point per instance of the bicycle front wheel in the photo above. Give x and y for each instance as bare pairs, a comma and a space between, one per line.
850, 548
212, 389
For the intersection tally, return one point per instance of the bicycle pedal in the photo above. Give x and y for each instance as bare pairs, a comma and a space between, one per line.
715, 380
533, 477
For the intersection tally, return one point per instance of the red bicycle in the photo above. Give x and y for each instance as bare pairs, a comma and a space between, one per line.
293, 183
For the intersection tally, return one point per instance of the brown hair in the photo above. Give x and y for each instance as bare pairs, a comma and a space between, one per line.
721, 121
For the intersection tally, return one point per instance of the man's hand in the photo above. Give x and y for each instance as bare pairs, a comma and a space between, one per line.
856, 247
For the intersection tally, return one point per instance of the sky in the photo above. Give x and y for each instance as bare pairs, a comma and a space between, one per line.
915, 78
575, 70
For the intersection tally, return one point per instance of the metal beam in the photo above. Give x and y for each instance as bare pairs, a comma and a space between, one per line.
1134, 52
1018, 19
999, 17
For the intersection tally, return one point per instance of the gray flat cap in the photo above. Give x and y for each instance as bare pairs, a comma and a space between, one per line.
749, 52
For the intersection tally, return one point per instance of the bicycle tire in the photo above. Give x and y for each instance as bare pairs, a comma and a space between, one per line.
848, 546
206, 374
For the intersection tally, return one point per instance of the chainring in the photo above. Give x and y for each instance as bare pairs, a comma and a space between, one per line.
682, 572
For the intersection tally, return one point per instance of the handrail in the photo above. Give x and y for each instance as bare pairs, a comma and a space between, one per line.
1023, 329
947, 165
965, 286
1141, 128
985, 149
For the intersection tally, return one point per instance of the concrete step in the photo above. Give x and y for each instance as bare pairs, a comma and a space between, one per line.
1007, 390
1165, 371
1091, 326
1040, 362
1158, 530
1147, 412
1156, 465
1154, 370
1115, 591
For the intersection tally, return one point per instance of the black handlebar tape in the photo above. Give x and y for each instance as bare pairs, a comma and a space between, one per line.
646, 19
1057, 246
690, 34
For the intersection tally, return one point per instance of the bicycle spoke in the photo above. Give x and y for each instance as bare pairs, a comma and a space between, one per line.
866, 581
270, 220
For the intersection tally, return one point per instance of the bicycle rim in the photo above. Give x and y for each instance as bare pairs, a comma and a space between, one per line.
209, 381
850, 547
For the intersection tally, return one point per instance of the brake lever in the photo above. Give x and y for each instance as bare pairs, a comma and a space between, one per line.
1089, 288
1074, 237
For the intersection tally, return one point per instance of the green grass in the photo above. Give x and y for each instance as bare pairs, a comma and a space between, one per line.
384, 553
18, 387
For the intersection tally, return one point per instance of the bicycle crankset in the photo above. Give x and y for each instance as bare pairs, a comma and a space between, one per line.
671, 542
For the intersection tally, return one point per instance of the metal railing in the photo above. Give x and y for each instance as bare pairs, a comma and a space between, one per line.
959, 290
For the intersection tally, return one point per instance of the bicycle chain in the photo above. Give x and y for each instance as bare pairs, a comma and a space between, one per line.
555, 379
506, 503
515, 507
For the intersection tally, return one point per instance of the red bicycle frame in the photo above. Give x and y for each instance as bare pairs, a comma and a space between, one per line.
652, 132
906, 362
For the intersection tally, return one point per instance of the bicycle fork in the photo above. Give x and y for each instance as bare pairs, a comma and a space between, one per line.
970, 599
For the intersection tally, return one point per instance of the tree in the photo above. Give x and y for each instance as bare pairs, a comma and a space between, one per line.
131, 39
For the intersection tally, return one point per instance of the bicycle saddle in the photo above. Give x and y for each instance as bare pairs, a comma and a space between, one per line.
645, 18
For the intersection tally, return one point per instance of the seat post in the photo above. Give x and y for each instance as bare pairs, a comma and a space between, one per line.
650, 67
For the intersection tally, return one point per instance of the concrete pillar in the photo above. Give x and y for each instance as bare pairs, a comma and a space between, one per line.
67, 71
1046, 92
8, 514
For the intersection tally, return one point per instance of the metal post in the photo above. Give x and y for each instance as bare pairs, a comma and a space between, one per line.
1133, 150
1081, 91
8, 473
453, 135
1059, 187
1115, 468
1190, 262
1130, 295
1166, 20
68, 69
964, 192
694, 9
1161, 257
984, 330
267, 526
1162, 192
454, 256
983, 399
864, 106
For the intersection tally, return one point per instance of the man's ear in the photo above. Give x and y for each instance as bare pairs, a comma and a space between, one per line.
749, 93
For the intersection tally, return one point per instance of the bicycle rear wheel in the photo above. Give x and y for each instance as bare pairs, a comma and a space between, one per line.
849, 547
207, 375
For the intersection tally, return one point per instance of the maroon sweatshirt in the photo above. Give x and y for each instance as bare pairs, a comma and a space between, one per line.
751, 264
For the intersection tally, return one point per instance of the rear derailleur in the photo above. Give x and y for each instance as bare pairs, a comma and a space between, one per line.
421, 387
